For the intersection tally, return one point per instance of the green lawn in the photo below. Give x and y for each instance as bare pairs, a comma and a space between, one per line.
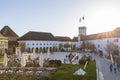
65, 72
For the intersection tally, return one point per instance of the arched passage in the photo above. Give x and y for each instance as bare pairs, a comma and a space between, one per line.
43, 49
28, 50
36, 50
32, 50
40, 49
50, 49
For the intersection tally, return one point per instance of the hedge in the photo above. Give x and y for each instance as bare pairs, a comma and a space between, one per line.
55, 63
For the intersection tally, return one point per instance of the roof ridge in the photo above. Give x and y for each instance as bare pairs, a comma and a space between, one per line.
39, 32
8, 32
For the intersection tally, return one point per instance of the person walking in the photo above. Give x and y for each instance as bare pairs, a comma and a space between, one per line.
114, 69
111, 66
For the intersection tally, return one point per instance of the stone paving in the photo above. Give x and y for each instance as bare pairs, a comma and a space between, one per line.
103, 69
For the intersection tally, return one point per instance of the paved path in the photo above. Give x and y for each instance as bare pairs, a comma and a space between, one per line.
103, 70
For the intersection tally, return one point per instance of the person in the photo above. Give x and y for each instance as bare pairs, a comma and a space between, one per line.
64, 61
66, 56
111, 66
77, 57
114, 69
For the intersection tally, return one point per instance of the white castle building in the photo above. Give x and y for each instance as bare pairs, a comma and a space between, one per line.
41, 41
105, 43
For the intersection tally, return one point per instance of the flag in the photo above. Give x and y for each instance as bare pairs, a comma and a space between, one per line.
83, 18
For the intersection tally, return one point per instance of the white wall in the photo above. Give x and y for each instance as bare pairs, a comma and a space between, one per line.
45, 44
101, 44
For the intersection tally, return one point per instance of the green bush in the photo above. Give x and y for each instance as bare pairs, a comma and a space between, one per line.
82, 62
13, 63
1, 58
30, 64
55, 63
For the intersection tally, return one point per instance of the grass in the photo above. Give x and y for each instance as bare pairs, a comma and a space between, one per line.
65, 72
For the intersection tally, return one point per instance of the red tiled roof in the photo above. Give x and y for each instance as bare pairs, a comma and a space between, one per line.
8, 32
13, 43
75, 39
31, 35
42, 36
62, 38
110, 34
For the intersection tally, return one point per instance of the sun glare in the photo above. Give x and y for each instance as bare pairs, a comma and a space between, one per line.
103, 18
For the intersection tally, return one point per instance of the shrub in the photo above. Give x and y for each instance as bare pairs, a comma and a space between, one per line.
107, 56
28, 64
82, 62
43, 78
84, 59
55, 63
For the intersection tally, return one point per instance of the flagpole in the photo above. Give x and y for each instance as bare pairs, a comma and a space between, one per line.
80, 21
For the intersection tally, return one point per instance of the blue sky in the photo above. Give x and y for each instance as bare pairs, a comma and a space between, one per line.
60, 17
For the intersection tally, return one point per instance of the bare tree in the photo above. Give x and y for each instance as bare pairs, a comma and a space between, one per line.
112, 48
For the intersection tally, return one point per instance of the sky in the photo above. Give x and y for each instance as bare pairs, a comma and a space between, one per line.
59, 17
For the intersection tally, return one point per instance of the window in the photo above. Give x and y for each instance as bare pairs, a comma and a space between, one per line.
40, 43
32, 43
44, 43
36, 43
27, 43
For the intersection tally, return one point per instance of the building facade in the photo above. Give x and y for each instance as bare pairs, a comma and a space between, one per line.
105, 43
6, 31
41, 41
3, 44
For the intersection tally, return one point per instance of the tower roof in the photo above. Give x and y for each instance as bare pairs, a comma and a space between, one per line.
75, 39
8, 32
103, 35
